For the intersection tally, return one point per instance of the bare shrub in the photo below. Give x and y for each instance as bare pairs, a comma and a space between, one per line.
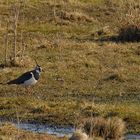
96, 127
14, 40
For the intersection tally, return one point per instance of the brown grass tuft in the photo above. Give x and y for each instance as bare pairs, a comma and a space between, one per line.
114, 128
111, 128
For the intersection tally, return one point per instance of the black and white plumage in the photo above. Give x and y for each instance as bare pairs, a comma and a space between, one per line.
27, 79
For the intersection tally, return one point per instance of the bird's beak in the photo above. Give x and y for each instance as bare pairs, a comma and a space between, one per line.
42, 70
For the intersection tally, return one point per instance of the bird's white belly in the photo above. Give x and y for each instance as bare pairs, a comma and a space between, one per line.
30, 82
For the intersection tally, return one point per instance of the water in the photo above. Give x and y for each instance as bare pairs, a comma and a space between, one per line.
132, 137
58, 131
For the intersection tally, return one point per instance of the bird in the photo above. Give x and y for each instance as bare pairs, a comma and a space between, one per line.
28, 78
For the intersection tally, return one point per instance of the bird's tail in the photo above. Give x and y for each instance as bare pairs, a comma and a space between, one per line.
11, 82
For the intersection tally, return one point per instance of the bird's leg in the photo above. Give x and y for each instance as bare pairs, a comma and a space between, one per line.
28, 90
17, 90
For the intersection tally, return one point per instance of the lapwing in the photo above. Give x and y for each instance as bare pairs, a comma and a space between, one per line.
29, 78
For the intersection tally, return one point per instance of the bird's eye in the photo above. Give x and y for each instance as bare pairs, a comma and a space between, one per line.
40, 69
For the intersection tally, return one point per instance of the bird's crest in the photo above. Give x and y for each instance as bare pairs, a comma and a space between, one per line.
38, 67
36, 63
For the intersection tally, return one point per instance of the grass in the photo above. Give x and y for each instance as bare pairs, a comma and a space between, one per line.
78, 69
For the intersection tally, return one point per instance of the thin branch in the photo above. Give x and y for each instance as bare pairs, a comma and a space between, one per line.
6, 43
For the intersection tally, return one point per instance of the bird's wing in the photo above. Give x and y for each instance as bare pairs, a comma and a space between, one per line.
22, 78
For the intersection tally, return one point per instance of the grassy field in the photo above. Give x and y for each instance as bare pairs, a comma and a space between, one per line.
85, 71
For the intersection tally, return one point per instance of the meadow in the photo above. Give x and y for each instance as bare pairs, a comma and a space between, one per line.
89, 70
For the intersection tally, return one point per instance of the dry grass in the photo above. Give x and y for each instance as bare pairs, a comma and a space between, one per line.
75, 16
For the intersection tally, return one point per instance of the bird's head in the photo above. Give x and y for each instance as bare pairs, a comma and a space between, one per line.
38, 69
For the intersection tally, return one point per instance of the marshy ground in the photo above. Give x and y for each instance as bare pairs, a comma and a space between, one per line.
87, 69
